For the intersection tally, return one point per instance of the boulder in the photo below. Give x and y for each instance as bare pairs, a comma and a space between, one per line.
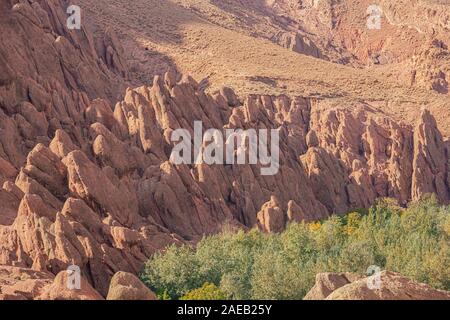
271, 218
60, 289
126, 286
326, 283
385, 285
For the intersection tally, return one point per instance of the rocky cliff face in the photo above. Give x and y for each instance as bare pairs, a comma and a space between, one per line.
414, 34
85, 171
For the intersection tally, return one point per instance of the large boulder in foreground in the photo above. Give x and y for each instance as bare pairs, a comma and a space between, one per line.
59, 289
22, 284
26, 284
271, 218
326, 283
383, 286
126, 286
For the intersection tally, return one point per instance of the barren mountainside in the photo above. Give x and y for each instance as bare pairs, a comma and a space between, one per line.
86, 118
398, 69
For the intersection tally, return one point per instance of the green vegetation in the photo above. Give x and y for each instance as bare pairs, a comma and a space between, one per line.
414, 242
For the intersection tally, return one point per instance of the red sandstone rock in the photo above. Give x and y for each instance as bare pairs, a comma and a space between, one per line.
327, 283
391, 286
271, 218
59, 290
22, 284
87, 184
126, 286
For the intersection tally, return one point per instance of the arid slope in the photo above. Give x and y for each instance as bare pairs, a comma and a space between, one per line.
222, 44
86, 137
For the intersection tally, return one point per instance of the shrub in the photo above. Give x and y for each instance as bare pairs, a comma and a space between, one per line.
174, 272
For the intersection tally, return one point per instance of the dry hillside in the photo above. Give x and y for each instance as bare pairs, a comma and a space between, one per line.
236, 43
86, 118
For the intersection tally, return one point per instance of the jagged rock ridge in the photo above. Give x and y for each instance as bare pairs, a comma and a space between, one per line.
90, 184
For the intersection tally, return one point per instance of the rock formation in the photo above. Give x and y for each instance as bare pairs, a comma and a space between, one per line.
386, 286
59, 290
327, 283
85, 171
271, 218
22, 284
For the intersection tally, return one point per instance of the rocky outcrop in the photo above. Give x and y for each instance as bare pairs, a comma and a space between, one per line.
90, 183
430, 163
112, 198
27, 284
412, 34
60, 290
327, 283
298, 43
22, 284
383, 286
126, 286
430, 68
271, 218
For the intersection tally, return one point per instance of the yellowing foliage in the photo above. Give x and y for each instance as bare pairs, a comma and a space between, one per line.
208, 291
